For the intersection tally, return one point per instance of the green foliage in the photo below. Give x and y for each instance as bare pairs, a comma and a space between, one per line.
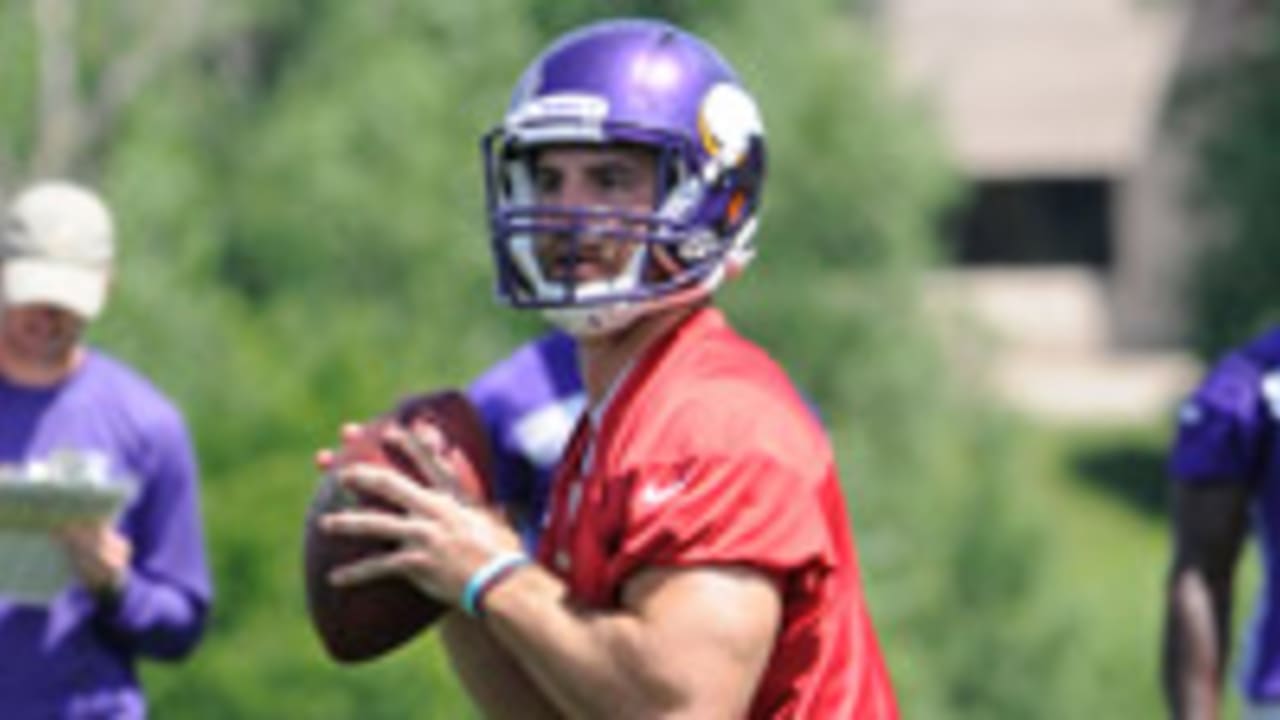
17, 77
552, 17
1234, 292
1103, 490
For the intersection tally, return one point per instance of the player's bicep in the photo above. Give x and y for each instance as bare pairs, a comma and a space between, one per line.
1210, 521
714, 628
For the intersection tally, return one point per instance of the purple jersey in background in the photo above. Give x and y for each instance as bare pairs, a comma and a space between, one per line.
530, 402
75, 658
1227, 433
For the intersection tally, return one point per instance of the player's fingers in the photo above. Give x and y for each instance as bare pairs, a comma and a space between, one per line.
393, 487
409, 564
349, 434
424, 445
349, 431
376, 525
325, 458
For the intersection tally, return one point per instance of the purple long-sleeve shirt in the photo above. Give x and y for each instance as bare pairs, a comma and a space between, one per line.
76, 657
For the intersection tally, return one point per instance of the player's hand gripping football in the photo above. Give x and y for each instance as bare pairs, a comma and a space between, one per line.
439, 540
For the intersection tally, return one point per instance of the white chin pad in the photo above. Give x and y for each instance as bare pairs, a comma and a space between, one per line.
591, 322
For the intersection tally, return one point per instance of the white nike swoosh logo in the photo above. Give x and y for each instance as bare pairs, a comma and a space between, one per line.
654, 494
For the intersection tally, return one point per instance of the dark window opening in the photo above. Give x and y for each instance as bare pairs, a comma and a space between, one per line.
1032, 222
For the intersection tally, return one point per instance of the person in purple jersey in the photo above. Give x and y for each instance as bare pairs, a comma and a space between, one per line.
142, 586
530, 402
1225, 464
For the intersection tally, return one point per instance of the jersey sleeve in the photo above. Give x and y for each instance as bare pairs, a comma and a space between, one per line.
746, 510
162, 610
1223, 427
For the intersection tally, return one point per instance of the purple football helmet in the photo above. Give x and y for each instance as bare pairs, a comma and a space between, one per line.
634, 83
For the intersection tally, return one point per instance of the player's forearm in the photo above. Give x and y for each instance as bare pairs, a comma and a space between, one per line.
497, 684
1193, 693
588, 664
1195, 647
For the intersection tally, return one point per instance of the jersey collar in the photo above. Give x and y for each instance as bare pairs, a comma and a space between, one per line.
628, 382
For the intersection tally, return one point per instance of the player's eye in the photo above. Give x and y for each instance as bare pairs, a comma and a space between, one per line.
547, 182
613, 178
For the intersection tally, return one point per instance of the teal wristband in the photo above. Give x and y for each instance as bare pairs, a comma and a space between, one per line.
488, 575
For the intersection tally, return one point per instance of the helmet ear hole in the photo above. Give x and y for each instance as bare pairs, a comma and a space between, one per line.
733, 212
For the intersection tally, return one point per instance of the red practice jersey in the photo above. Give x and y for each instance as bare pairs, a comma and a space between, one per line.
706, 455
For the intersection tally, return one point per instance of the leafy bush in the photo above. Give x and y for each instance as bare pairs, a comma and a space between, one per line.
1234, 293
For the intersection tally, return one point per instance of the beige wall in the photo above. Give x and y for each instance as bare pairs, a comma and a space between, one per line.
1079, 88
1036, 88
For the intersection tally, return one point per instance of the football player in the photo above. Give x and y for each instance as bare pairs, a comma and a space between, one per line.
698, 559
1226, 468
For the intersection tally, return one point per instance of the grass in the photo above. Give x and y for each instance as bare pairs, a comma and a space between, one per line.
1104, 493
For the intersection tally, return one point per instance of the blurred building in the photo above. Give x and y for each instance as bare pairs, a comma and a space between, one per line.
1076, 238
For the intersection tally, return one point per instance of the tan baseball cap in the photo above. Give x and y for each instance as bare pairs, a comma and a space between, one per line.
57, 246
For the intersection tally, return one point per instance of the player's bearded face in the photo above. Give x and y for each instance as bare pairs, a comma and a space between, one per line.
593, 246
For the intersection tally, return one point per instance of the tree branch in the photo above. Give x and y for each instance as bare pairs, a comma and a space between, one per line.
72, 120
58, 136
167, 33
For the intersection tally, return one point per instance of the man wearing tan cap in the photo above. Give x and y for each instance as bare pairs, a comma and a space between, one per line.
141, 581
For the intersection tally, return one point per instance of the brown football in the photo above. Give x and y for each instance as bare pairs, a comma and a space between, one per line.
365, 621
